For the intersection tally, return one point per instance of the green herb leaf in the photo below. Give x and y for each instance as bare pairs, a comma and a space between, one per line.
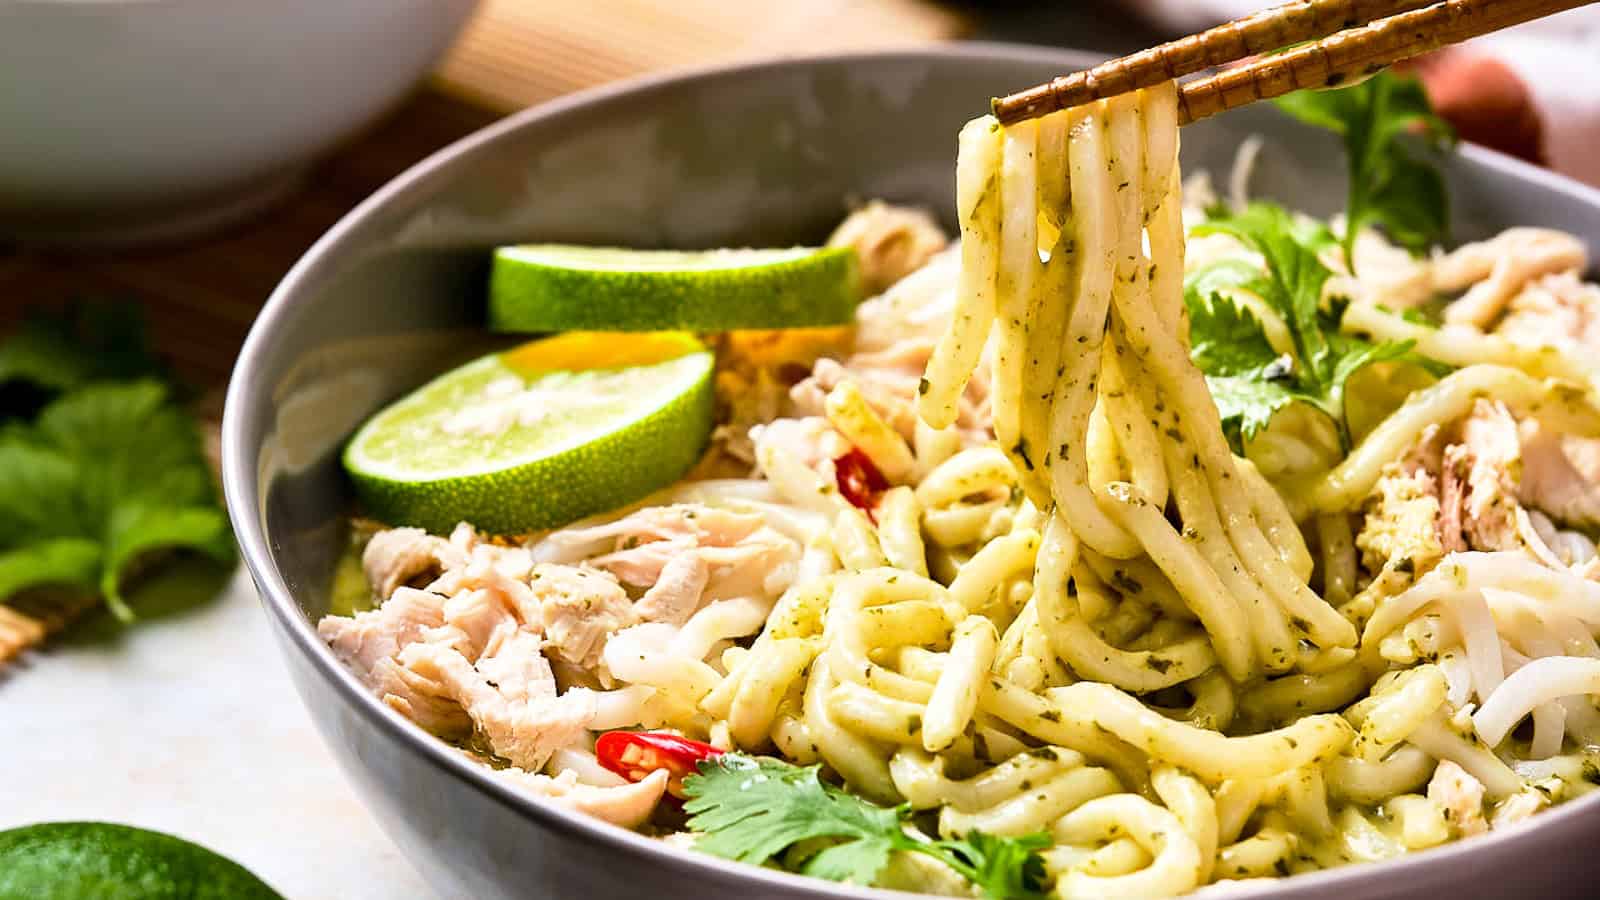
1388, 186
856, 861
38, 485
83, 343
1247, 404
58, 561
1224, 275
1225, 338
1002, 867
136, 529
752, 809
109, 473
131, 443
1248, 388
1293, 288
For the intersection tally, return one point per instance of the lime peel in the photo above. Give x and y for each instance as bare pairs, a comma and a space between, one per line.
559, 287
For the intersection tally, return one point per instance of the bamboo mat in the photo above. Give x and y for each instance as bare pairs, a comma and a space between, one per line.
202, 296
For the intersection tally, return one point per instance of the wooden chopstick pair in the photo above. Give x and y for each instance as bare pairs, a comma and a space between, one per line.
1349, 40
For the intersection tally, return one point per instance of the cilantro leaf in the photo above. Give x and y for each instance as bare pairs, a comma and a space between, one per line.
1296, 276
856, 861
58, 561
1388, 186
1223, 275
1228, 344
136, 529
1226, 338
108, 473
1247, 403
132, 443
86, 341
1003, 867
752, 809
33, 481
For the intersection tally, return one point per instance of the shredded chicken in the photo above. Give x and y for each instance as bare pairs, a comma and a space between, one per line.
1485, 483
1479, 481
407, 556
477, 650
433, 655
676, 594
509, 693
811, 440
742, 554
363, 640
1552, 479
1556, 310
578, 610
1499, 268
471, 619
690, 522
1461, 797
369, 644
891, 241
628, 805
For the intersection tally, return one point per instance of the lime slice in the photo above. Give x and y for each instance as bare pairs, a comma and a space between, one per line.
540, 435
556, 287
77, 860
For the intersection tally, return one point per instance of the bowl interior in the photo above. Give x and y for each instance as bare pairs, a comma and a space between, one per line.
771, 154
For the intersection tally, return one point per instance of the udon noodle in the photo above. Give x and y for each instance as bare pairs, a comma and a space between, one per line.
1074, 609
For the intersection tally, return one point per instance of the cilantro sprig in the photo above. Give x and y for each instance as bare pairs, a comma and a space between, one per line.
88, 341
1388, 185
1250, 379
753, 809
108, 472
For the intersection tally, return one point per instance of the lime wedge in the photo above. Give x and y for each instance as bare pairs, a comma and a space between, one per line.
538, 436
557, 287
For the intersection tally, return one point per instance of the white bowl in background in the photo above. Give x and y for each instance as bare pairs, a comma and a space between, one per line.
127, 121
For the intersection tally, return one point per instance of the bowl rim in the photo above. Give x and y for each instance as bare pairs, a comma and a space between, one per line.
242, 497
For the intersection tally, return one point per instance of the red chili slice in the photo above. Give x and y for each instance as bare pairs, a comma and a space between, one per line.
860, 482
636, 754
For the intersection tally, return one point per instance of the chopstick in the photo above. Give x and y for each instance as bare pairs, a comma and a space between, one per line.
1343, 49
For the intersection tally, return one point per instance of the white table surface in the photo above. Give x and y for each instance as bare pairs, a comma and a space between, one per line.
188, 723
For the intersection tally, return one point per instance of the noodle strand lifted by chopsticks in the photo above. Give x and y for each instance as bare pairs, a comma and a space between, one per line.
1113, 275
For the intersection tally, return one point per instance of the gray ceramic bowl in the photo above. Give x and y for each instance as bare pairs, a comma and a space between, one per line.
761, 154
